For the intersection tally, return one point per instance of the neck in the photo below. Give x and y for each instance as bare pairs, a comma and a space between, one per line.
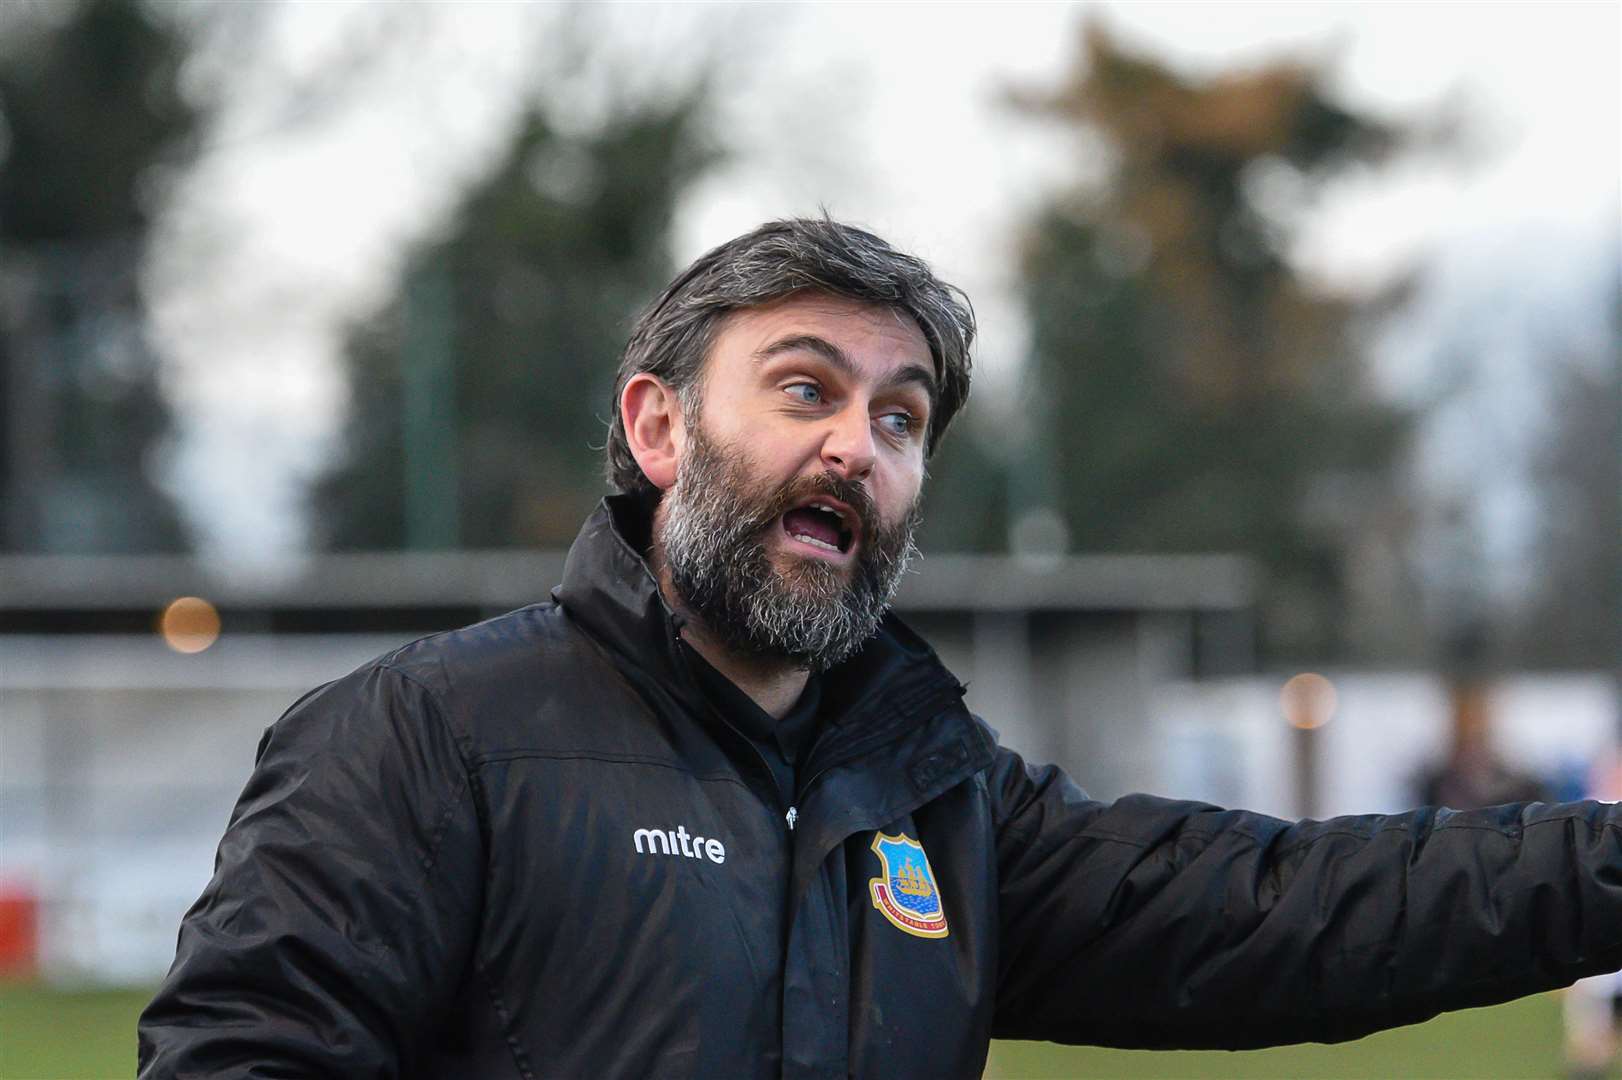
774, 685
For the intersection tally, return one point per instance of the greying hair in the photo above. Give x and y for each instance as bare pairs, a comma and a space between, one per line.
673, 337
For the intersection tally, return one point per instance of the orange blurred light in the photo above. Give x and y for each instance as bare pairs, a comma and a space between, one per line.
1308, 701
189, 624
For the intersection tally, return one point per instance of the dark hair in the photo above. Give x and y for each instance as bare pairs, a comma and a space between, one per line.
672, 338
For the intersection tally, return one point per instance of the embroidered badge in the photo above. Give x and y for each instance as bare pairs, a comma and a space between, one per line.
906, 894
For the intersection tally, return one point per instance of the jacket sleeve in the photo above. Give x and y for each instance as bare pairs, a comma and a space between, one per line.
340, 918
1160, 924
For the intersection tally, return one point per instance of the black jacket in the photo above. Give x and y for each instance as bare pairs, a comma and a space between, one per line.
480, 856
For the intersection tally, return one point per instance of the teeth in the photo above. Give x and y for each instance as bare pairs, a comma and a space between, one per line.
814, 542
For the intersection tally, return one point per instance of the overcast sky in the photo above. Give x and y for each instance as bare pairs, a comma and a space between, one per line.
890, 115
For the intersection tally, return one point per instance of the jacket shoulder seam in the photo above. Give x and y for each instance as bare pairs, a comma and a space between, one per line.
430, 858
497, 756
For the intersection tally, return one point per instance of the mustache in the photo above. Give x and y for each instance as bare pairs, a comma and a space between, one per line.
853, 493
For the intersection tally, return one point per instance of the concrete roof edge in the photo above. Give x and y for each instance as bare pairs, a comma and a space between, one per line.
503, 579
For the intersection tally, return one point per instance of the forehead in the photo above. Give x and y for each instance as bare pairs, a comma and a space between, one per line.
878, 339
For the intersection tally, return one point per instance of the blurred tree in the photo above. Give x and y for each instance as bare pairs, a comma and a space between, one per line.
1191, 391
92, 123
1574, 619
479, 394
965, 505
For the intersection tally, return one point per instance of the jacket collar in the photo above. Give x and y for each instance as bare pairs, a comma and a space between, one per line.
609, 588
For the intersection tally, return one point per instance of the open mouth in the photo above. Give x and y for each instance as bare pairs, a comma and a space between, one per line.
821, 524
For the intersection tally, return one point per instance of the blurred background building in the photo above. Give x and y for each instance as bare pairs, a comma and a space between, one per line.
1299, 360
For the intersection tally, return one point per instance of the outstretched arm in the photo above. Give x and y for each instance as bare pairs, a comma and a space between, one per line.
1153, 923
340, 918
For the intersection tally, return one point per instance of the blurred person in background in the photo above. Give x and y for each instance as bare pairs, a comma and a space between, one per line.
1474, 774
714, 811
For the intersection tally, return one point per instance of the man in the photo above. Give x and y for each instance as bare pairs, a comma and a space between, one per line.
712, 812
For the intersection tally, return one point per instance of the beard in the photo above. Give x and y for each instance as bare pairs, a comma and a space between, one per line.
711, 536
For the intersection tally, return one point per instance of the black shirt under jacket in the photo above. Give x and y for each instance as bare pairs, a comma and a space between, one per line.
782, 743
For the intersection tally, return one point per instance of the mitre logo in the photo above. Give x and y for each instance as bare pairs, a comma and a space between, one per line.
906, 894
678, 841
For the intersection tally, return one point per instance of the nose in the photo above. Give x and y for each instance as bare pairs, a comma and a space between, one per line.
848, 448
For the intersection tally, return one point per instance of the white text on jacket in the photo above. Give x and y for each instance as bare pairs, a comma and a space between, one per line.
678, 841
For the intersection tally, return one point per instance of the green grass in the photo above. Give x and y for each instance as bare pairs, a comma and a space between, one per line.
67, 1035
77, 1035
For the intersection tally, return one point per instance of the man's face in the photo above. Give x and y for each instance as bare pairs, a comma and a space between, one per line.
790, 522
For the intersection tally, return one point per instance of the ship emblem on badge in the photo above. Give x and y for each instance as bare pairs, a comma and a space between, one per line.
906, 894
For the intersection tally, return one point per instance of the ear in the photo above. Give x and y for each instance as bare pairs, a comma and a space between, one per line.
654, 427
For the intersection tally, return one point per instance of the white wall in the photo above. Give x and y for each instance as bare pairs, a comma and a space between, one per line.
1226, 741
120, 761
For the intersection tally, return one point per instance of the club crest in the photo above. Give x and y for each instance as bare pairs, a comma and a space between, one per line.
906, 893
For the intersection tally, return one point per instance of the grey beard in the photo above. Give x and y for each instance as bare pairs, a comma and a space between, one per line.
711, 532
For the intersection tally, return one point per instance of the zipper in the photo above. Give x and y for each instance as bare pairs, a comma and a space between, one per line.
789, 812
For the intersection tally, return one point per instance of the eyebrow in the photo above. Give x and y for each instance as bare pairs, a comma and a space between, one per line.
906, 375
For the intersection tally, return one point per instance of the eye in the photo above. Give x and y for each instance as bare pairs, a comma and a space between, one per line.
899, 423
807, 393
